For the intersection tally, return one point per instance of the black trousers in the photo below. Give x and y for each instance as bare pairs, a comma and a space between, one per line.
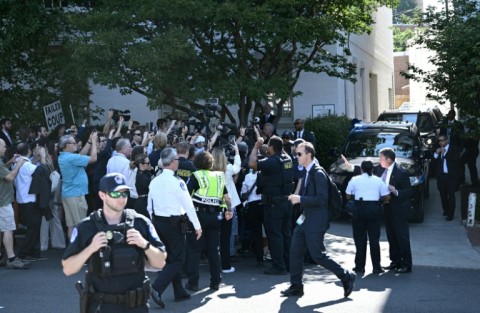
470, 159
254, 220
312, 242
447, 187
175, 243
398, 235
31, 217
278, 227
367, 222
225, 233
210, 240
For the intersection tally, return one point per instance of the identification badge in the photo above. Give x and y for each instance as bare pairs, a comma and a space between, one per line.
109, 235
301, 219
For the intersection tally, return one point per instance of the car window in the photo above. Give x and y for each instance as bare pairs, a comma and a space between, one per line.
369, 144
424, 121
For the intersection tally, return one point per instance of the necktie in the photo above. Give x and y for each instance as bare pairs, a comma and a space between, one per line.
304, 183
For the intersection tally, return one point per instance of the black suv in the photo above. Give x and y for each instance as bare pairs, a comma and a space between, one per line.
365, 142
426, 121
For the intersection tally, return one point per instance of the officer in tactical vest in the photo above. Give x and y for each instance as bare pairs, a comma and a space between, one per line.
211, 202
275, 183
116, 243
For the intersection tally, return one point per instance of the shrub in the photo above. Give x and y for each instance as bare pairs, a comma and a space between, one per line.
331, 132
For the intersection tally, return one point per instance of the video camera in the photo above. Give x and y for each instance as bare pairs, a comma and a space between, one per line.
118, 113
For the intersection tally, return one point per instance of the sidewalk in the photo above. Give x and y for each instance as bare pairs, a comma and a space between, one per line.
435, 242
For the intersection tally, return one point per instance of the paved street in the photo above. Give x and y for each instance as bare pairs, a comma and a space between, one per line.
445, 278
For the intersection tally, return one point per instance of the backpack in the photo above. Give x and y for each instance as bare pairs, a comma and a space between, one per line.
335, 199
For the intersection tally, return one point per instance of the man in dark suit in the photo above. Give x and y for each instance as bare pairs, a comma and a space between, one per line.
453, 129
312, 225
448, 173
7, 136
396, 211
267, 116
301, 132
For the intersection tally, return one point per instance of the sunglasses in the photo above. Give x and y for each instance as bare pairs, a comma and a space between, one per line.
137, 134
442, 139
299, 154
118, 194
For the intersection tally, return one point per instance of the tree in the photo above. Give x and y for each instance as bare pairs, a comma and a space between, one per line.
35, 68
454, 37
405, 8
177, 52
400, 38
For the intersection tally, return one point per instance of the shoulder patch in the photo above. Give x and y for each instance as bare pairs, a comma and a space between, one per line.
74, 235
182, 185
300, 168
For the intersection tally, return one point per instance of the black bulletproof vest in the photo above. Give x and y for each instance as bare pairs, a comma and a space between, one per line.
118, 258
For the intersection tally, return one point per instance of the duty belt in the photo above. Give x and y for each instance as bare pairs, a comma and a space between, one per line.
208, 209
131, 298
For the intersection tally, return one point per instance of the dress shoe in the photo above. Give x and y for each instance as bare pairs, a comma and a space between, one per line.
157, 299
183, 297
348, 285
214, 287
392, 266
404, 270
274, 271
293, 290
449, 218
358, 270
191, 287
378, 271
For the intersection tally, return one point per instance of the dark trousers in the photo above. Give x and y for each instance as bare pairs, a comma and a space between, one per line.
175, 242
277, 221
447, 187
313, 242
225, 233
398, 235
31, 217
470, 159
367, 222
255, 222
210, 240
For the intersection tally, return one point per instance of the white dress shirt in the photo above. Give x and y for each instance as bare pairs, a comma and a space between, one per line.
169, 196
248, 182
369, 188
233, 169
119, 163
23, 180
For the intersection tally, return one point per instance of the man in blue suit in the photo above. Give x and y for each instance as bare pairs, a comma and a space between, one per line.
312, 225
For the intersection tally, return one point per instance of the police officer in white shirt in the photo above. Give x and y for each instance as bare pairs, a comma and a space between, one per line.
367, 190
171, 208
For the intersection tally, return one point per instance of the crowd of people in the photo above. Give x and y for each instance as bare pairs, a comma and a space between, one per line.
202, 192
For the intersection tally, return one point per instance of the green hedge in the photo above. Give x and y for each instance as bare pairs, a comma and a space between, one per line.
331, 131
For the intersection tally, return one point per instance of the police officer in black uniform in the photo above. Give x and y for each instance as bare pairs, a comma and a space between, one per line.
275, 182
116, 243
185, 166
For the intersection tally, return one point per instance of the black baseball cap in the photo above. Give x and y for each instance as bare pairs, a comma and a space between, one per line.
113, 182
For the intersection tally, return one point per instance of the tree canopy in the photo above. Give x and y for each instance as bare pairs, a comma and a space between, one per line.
35, 67
455, 41
177, 52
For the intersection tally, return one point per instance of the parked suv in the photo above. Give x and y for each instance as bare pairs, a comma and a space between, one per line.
426, 121
365, 142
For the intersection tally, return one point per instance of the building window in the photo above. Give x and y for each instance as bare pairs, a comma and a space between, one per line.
286, 108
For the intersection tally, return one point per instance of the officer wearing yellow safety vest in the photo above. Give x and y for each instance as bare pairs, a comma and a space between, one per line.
211, 202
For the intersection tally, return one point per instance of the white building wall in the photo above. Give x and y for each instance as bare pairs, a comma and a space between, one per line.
112, 99
373, 55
